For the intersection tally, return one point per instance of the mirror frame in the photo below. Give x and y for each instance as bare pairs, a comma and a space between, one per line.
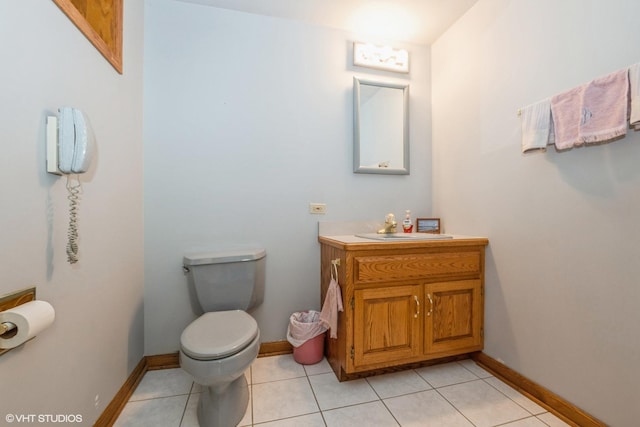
357, 167
97, 24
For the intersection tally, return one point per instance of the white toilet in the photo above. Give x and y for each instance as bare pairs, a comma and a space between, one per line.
219, 346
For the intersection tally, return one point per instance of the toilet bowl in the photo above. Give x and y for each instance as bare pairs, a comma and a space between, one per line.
216, 350
219, 346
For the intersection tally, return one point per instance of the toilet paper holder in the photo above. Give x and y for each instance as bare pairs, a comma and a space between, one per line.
6, 327
11, 300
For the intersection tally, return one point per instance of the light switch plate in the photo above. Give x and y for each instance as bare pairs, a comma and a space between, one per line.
317, 208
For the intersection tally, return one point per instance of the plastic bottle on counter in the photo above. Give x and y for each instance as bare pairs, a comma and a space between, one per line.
407, 225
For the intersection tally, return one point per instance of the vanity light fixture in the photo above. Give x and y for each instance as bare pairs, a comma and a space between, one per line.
381, 57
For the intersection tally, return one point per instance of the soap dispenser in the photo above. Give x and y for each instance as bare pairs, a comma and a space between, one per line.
407, 225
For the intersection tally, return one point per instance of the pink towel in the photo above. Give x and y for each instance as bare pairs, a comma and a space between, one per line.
634, 95
332, 304
591, 113
566, 113
605, 108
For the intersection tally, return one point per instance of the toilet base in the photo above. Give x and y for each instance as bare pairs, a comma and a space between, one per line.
223, 408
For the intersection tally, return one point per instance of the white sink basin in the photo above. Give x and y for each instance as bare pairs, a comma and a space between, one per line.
395, 237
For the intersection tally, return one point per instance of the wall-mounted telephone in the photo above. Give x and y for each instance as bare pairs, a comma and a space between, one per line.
70, 147
70, 142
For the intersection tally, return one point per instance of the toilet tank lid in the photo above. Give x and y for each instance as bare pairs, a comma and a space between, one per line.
224, 256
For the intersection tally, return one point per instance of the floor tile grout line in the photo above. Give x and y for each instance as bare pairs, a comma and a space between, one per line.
402, 394
511, 399
384, 403
251, 393
519, 419
389, 410
423, 379
186, 405
350, 405
279, 380
454, 406
543, 422
531, 415
286, 418
463, 382
313, 392
158, 397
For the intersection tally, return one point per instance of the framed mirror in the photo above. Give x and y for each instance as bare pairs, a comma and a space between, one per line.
101, 22
381, 127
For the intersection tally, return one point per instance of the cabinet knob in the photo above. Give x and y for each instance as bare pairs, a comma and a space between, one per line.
415, 297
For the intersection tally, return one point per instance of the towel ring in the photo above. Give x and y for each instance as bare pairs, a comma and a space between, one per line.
334, 268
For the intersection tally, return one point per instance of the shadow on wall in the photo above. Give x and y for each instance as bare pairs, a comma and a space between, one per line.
595, 169
136, 338
498, 325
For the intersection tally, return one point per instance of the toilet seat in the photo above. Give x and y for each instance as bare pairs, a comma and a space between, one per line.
218, 334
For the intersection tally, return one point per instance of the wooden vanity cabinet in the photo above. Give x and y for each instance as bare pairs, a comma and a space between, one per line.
404, 303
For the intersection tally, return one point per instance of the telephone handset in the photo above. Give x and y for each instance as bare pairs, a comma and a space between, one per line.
70, 147
75, 144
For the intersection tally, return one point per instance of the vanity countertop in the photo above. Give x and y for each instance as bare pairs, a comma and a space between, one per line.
353, 242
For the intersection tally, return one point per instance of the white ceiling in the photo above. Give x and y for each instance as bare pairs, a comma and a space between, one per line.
415, 21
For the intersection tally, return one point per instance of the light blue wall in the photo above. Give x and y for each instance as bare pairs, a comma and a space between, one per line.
97, 337
562, 267
247, 120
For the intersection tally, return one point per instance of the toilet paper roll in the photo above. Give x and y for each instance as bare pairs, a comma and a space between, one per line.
30, 319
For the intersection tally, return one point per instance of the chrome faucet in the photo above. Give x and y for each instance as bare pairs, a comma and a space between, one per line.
390, 225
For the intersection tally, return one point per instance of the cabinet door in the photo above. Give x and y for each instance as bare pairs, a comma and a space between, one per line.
453, 317
387, 326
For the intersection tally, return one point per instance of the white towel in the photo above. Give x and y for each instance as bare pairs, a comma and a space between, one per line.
536, 126
634, 94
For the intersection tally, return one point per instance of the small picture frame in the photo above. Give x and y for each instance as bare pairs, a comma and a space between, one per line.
428, 225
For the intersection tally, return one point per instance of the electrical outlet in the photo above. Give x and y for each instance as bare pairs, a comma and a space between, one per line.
317, 208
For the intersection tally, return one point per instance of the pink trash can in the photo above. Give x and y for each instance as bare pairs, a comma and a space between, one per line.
311, 352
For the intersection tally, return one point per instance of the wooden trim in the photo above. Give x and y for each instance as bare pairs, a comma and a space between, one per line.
557, 405
172, 360
163, 361
101, 22
113, 409
398, 368
275, 348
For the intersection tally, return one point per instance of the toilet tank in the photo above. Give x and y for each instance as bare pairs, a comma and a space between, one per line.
227, 279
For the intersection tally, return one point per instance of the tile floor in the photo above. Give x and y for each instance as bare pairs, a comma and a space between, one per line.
286, 394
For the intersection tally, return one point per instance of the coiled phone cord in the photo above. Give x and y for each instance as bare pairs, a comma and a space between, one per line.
72, 233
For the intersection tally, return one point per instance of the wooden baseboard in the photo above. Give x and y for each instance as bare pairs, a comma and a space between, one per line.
163, 361
545, 398
275, 348
172, 360
113, 409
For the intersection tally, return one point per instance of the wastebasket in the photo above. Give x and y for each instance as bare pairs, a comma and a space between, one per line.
306, 334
